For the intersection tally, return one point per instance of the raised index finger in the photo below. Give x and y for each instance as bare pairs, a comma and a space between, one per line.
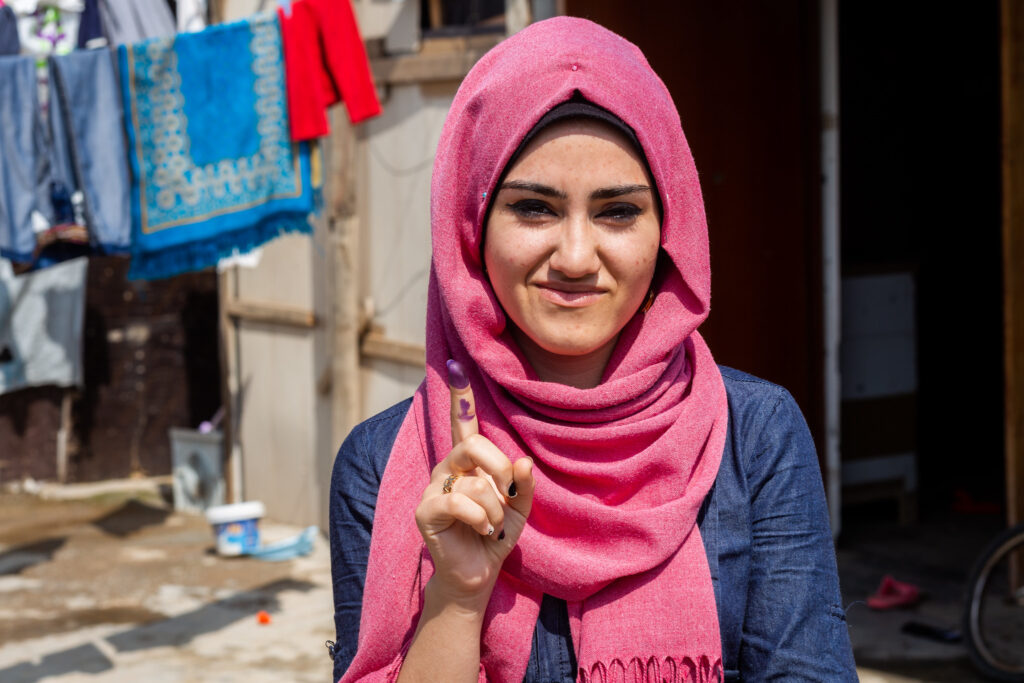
464, 422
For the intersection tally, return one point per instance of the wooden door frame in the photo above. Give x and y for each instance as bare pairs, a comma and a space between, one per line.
1012, 82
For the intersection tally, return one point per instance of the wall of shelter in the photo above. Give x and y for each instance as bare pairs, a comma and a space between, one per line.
150, 363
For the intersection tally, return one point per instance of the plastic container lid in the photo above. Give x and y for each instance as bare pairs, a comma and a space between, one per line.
236, 512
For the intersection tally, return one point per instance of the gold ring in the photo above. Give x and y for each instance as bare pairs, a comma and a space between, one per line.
447, 488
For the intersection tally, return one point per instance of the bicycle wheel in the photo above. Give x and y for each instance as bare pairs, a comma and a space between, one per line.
994, 618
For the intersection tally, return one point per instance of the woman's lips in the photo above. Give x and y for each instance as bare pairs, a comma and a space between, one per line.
568, 295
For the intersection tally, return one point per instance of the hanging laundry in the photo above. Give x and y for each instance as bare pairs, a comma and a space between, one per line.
24, 186
10, 44
326, 63
213, 169
191, 15
47, 27
89, 155
130, 21
90, 27
41, 320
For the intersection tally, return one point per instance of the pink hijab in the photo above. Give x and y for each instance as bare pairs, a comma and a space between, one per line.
621, 469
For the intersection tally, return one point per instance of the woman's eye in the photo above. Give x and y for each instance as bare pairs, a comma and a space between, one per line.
620, 213
530, 208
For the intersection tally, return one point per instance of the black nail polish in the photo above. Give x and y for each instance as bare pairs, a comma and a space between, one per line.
501, 536
512, 492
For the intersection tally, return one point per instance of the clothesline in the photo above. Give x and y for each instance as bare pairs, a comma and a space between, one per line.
217, 161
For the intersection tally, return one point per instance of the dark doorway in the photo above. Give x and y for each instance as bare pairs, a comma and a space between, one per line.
920, 190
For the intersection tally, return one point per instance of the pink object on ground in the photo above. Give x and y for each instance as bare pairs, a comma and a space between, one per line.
623, 468
892, 593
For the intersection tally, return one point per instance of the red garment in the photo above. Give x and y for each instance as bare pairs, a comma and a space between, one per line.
325, 63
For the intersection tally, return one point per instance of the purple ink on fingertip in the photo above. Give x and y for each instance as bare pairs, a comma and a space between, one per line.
464, 408
457, 375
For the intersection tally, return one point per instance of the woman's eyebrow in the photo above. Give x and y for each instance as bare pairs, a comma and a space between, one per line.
538, 188
618, 191
548, 191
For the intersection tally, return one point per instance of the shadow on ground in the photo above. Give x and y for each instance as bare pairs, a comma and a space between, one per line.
82, 659
132, 516
173, 632
17, 559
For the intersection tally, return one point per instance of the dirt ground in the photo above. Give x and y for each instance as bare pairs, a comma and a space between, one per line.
118, 587
113, 585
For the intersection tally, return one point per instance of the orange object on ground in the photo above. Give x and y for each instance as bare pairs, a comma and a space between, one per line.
892, 593
263, 617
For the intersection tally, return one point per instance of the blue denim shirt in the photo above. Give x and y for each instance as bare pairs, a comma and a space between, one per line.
765, 529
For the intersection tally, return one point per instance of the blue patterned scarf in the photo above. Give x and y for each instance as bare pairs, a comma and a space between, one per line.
213, 170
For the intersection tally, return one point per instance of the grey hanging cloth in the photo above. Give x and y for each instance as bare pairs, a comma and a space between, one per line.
9, 42
131, 21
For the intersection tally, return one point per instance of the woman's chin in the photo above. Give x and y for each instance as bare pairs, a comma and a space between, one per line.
573, 347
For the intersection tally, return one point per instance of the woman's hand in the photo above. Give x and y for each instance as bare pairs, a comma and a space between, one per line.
475, 507
470, 516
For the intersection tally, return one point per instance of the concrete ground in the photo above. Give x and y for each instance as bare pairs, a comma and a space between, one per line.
107, 583
935, 556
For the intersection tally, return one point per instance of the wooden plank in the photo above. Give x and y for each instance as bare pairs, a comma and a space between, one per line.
227, 349
1012, 53
272, 314
345, 223
441, 59
376, 345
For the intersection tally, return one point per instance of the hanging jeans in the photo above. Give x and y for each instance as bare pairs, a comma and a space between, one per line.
80, 159
24, 168
88, 148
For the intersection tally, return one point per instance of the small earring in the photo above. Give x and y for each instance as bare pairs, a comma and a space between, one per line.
649, 301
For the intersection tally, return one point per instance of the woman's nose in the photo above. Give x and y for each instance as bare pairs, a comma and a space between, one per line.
575, 253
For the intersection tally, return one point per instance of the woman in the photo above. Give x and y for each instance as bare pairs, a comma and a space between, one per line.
577, 491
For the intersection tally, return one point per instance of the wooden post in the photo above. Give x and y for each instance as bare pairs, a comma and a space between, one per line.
435, 14
1012, 53
1012, 49
64, 436
517, 15
344, 224
216, 11
229, 392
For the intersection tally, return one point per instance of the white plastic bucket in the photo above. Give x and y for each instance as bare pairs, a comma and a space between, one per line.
236, 526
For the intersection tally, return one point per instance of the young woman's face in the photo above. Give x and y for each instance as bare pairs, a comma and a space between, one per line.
572, 240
